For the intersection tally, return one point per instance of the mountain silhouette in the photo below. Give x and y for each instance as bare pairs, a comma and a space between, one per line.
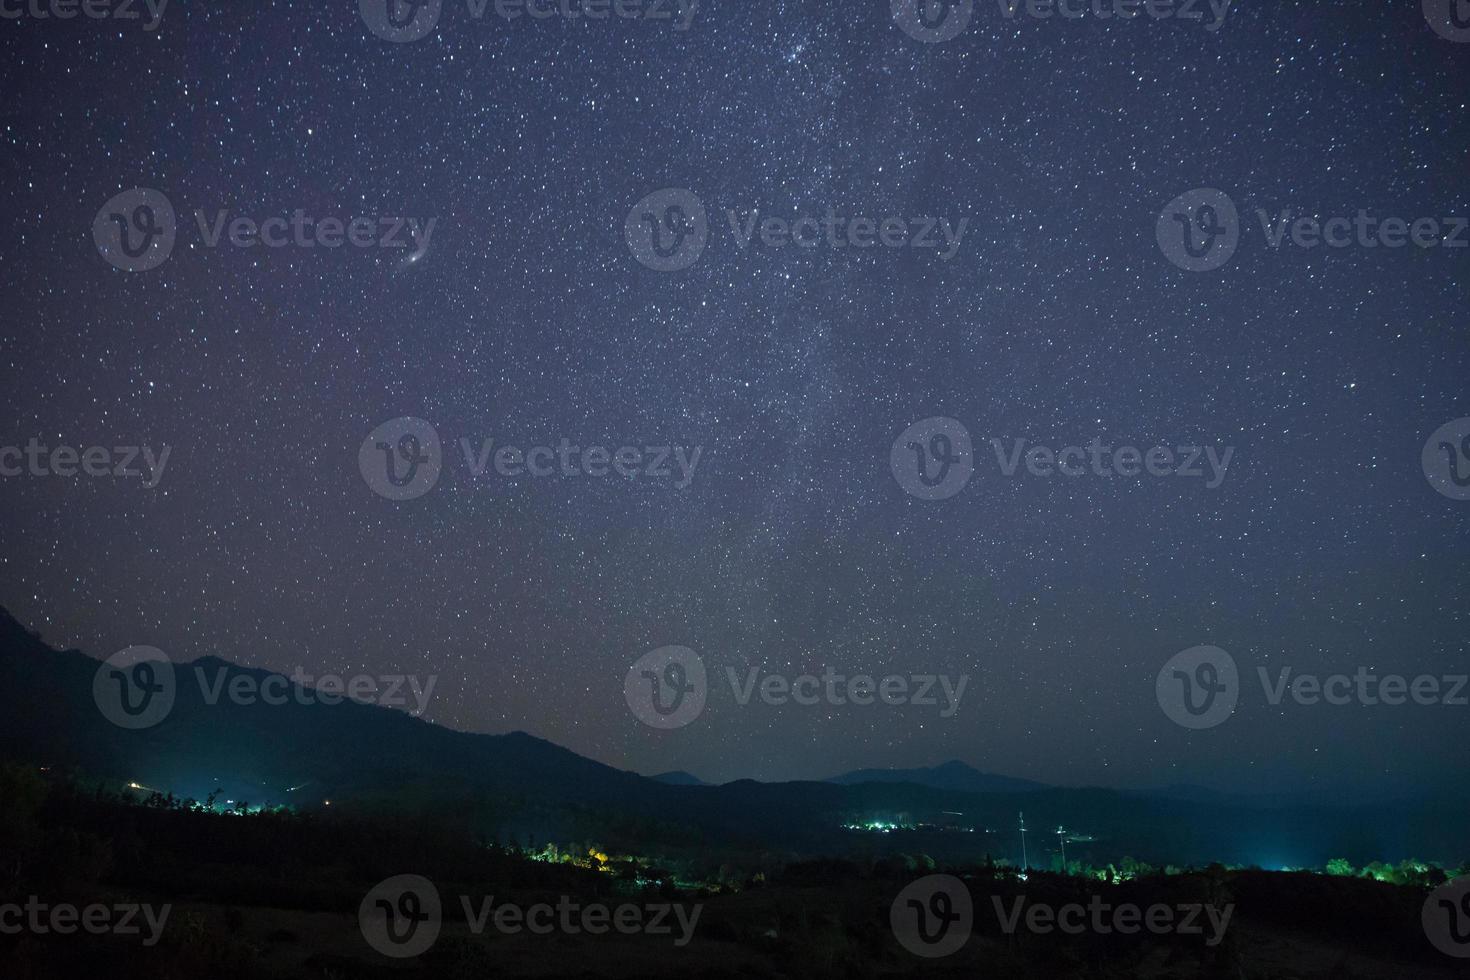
953, 775
519, 787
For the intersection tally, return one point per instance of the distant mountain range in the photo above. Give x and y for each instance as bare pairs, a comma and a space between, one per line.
953, 775
517, 786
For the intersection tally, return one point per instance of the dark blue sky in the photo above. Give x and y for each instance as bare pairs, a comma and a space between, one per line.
528, 319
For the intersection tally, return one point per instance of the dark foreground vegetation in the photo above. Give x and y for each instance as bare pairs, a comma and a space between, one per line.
276, 894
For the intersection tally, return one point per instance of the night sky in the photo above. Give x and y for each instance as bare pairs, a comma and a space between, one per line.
528, 319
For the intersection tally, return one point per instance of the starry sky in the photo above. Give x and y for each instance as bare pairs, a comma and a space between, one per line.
528, 319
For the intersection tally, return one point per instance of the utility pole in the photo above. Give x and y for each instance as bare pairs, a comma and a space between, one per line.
1062, 836
1024, 862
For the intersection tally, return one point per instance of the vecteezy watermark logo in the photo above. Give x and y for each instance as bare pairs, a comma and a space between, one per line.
40, 918
630, 462
413, 20
400, 20
1199, 231
275, 690
70, 461
302, 230
1446, 917
1124, 461
401, 459
933, 21
832, 688
1198, 688
91, 9
1364, 688
649, 10
840, 231
401, 916
135, 688
1446, 459
933, 459
1364, 231
1104, 918
933, 916
666, 688
668, 230
1449, 18
572, 918
136, 230
1156, 10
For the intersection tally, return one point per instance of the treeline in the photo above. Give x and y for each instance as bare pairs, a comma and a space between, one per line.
284, 874
56, 830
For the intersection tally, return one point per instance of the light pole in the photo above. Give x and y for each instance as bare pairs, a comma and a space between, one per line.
1024, 862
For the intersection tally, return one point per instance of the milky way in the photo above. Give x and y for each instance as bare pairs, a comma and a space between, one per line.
1039, 155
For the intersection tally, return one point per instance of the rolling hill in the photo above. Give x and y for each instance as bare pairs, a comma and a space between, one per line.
518, 786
